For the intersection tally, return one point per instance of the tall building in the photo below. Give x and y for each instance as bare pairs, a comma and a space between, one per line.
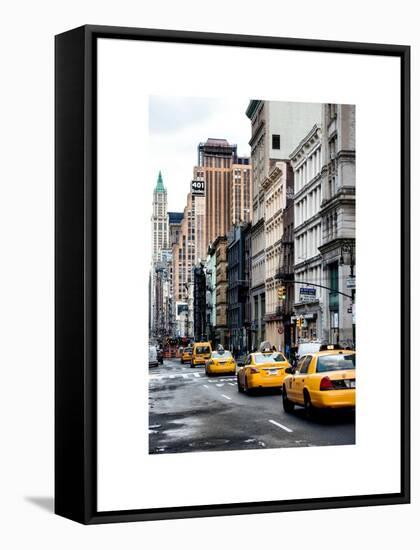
160, 221
306, 162
159, 287
240, 192
338, 214
187, 250
276, 129
215, 160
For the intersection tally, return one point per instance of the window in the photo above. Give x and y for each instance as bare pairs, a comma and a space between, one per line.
275, 141
336, 362
305, 364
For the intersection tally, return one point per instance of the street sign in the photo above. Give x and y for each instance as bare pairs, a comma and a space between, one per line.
351, 282
307, 294
198, 187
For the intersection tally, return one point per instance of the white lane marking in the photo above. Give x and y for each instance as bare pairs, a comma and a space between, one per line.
226, 397
205, 386
172, 376
196, 374
280, 426
220, 385
184, 375
231, 384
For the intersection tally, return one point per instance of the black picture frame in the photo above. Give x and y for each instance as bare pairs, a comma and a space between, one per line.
76, 273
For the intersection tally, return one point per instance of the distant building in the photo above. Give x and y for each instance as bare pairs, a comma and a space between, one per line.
238, 287
277, 187
220, 247
215, 160
338, 214
211, 293
159, 287
187, 247
307, 162
160, 221
241, 192
175, 220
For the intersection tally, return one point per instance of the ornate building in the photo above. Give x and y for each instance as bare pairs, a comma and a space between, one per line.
306, 162
338, 214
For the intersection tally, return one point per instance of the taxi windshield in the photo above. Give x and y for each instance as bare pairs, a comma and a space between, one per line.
221, 354
336, 362
202, 349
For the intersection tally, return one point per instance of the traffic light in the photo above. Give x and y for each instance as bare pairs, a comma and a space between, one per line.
299, 322
281, 293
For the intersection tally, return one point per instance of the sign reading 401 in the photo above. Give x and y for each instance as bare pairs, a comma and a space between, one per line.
198, 187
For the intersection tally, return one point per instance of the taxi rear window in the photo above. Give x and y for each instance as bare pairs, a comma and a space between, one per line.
336, 362
202, 349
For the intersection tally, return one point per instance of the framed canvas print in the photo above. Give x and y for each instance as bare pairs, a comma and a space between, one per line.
223, 203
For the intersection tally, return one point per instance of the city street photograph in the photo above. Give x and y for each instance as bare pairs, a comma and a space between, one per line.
252, 278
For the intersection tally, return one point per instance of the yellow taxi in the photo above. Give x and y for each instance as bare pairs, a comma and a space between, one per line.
262, 370
201, 353
186, 355
221, 362
324, 379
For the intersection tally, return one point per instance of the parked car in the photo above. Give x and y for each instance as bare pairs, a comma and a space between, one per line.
153, 356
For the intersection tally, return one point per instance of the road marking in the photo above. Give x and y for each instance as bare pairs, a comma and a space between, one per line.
220, 385
280, 426
226, 397
172, 376
196, 375
231, 384
184, 375
205, 385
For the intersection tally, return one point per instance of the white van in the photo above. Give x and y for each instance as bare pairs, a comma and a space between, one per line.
308, 347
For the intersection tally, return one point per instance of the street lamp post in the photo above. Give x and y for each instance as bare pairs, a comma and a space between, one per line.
347, 248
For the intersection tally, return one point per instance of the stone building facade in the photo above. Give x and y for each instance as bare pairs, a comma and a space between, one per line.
307, 161
338, 214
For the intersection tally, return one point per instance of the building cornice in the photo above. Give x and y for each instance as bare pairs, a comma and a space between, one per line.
313, 136
252, 107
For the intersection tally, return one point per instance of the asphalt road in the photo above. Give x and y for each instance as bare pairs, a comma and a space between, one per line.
190, 412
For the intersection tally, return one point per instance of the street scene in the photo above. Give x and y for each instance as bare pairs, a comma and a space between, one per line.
189, 412
252, 287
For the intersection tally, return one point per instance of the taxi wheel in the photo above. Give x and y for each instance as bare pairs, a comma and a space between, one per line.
247, 390
240, 388
182, 361
288, 405
307, 403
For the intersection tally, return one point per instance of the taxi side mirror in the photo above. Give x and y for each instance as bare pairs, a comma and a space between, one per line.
289, 370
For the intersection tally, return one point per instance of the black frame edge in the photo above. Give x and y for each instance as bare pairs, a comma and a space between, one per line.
71, 485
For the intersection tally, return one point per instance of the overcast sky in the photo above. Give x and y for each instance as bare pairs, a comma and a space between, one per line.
178, 125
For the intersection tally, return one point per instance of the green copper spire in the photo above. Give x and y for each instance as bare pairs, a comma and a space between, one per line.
159, 184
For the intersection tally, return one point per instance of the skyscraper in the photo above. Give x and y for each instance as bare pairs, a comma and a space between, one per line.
215, 160
160, 221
